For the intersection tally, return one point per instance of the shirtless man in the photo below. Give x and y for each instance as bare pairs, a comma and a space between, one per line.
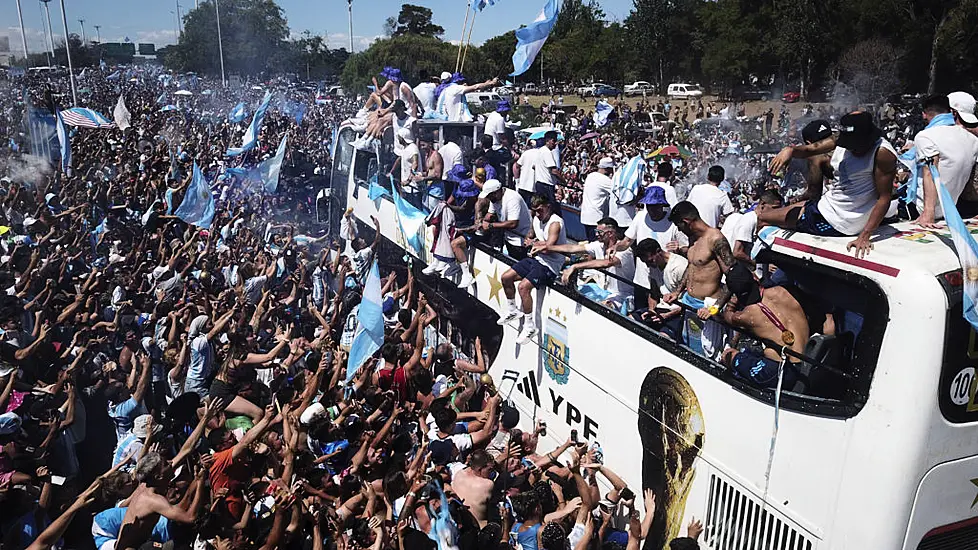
710, 257
148, 502
473, 486
818, 167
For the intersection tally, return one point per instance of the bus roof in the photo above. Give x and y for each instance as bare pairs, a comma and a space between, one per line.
897, 247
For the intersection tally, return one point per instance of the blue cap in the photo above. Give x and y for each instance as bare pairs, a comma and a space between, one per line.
388, 306
502, 106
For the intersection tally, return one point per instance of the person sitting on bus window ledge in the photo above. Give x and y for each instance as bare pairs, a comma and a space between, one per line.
465, 205
397, 89
741, 229
772, 315
409, 160
616, 289
856, 205
535, 272
507, 214
401, 119
701, 288
666, 271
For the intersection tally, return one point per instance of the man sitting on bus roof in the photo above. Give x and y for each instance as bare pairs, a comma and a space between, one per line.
865, 163
534, 272
772, 315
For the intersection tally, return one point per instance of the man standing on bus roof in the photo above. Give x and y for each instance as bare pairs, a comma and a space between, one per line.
701, 289
535, 272
857, 203
496, 123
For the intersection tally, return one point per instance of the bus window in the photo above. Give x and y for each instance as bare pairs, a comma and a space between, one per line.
958, 376
460, 134
344, 155
366, 168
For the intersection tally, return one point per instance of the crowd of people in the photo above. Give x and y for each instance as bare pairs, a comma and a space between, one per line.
175, 384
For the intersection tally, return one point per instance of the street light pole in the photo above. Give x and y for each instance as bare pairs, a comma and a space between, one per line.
47, 10
84, 36
349, 6
23, 35
71, 74
179, 22
220, 44
98, 33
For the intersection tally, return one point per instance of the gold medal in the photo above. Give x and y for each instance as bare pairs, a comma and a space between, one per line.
787, 337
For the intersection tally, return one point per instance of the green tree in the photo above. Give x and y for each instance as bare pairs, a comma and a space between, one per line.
416, 20
661, 32
414, 55
727, 38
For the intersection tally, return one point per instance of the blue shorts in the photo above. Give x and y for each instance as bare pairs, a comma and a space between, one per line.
812, 222
761, 370
535, 272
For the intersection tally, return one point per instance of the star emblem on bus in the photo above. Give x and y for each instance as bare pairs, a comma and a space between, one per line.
975, 483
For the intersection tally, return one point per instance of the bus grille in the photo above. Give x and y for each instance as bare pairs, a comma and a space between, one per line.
963, 538
736, 521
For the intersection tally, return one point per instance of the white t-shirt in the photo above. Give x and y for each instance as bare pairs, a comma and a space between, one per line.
848, 204
425, 92
454, 105
670, 191
595, 198
669, 277
552, 260
398, 123
957, 149
545, 160
527, 161
495, 126
644, 227
739, 227
410, 150
451, 155
626, 270
711, 202
512, 207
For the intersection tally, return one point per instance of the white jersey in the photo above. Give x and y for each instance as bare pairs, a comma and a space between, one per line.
847, 204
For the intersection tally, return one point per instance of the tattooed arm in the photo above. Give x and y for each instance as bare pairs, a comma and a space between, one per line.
725, 261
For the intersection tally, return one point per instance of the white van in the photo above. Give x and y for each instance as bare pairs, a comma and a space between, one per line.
482, 98
684, 90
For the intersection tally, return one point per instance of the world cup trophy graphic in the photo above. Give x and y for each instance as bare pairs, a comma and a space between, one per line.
670, 423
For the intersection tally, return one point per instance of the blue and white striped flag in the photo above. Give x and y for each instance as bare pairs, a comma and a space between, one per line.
483, 4
251, 136
114, 76
65, 142
627, 182
238, 113
411, 220
601, 112
269, 169
197, 207
86, 118
369, 335
530, 39
966, 247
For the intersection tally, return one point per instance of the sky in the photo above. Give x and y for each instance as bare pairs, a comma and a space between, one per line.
155, 21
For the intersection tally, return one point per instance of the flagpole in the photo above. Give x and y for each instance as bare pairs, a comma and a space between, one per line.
23, 34
458, 59
468, 41
71, 74
220, 44
349, 8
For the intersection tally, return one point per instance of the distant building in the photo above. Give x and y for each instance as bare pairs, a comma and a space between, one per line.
5, 55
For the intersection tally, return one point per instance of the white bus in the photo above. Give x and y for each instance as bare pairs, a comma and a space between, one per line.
876, 450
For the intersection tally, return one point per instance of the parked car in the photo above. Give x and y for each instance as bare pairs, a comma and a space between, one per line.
606, 91
483, 99
638, 87
750, 93
683, 90
531, 89
589, 89
791, 97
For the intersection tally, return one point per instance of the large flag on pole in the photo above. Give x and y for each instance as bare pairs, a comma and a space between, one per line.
530, 39
965, 245
121, 115
65, 142
370, 324
251, 136
86, 118
269, 169
483, 4
197, 207
411, 220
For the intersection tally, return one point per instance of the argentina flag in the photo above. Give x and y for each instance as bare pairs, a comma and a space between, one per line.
601, 113
483, 4
251, 136
370, 324
197, 207
65, 142
530, 39
238, 113
270, 168
411, 220
627, 181
964, 244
